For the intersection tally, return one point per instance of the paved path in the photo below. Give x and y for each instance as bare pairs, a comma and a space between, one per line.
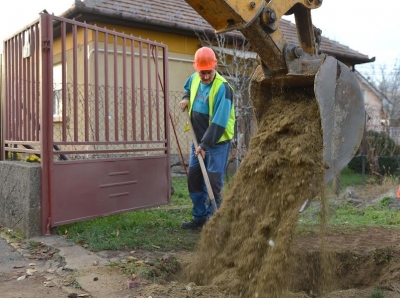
50, 266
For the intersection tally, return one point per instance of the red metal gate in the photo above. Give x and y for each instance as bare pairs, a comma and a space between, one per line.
93, 104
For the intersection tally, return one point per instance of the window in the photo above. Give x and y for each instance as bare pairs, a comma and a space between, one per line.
364, 94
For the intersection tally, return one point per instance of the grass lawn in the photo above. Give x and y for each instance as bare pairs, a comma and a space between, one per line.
159, 228
151, 229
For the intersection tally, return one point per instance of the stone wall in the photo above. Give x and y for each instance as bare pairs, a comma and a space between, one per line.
20, 193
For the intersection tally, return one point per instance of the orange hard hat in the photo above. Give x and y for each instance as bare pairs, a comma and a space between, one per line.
204, 59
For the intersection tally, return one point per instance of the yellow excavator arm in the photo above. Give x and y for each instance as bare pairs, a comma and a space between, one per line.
259, 23
296, 69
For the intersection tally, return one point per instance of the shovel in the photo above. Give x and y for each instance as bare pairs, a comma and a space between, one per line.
202, 165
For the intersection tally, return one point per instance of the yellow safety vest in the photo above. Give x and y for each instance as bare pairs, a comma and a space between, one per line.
218, 81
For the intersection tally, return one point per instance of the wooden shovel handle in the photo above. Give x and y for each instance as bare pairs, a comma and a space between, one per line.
202, 166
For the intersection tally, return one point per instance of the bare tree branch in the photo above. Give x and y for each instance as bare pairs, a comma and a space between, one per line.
389, 86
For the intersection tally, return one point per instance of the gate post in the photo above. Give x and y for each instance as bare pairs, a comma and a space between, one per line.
2, 108
46, 127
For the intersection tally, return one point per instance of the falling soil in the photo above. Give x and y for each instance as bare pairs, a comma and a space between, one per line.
246, 247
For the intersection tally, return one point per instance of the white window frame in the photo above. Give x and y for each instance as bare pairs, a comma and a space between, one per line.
57, 92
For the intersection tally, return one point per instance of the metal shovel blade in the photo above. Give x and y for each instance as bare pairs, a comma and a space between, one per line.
342, 112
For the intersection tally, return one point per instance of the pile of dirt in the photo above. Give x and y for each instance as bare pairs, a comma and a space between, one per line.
245, 248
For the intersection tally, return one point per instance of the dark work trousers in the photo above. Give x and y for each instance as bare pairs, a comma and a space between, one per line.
215, 164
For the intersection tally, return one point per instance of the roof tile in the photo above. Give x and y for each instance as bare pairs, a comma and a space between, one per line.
179, 15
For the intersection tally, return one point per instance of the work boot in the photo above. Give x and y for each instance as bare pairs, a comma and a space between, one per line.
193, 224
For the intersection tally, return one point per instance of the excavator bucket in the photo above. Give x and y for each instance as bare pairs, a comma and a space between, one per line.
342, 113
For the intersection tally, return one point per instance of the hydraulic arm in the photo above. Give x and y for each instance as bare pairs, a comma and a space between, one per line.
297, 69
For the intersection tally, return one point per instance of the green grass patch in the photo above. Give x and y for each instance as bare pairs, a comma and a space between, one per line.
378, 293
146, 229
348, 217
181, 193
350, 178
151, 229
159, 228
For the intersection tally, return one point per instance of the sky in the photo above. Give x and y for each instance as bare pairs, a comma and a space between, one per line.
369, 27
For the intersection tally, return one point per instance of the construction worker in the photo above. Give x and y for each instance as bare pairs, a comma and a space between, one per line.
209, 99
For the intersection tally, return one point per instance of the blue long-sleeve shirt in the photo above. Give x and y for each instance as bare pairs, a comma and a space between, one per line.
209, 131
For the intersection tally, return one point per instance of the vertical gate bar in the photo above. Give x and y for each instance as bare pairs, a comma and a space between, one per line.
20, 88
34, 65
13, 95
37, 82
133, 85
2, 104
75, 80
7, 79
15, 92
166, 93
116, 124
141, 91
46, 78
149, 89
28, 89
106, 110
86, 81
166, 113
25, 106
96, 85
18, 97
125, 112
157, 107
10, 73
64, 80
33, 81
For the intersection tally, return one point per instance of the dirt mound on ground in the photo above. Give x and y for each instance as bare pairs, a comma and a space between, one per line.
245, 248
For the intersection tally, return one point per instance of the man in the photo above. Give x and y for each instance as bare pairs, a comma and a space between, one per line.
209, 100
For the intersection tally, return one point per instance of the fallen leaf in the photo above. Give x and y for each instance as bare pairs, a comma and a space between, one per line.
49, 284
30, 271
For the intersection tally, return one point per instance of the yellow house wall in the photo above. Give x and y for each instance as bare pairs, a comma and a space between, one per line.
373, 104
181, 49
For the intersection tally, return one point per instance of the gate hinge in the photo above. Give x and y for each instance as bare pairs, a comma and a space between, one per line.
46, 45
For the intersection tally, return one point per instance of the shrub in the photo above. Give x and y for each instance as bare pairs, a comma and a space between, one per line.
381, 148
